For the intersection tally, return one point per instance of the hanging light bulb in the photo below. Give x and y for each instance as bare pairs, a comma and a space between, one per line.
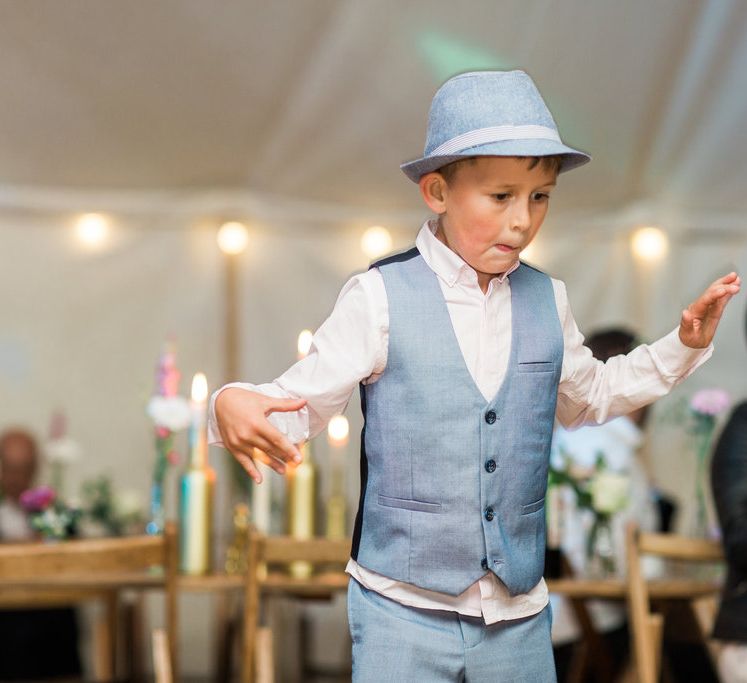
92, 229
233, 237
376, 241
649, 243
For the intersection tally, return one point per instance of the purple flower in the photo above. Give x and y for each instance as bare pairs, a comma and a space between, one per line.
38, 499
710, 401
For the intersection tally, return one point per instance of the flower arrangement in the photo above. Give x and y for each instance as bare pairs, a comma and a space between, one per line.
703, 410
604, 493
170, 414
50, 516
113, 513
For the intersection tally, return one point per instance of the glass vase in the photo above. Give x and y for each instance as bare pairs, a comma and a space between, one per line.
600, 552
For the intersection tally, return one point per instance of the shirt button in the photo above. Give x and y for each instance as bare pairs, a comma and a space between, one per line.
490, 417
490, 466
489, 514
484, 563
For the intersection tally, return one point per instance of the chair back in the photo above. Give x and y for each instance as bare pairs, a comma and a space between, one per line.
646, 627
266, 553
46, 568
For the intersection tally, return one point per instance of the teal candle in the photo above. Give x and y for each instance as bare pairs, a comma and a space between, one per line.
197, 489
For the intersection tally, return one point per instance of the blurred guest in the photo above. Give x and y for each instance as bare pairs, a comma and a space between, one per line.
617, 443
18, 466
34, 644
729, 485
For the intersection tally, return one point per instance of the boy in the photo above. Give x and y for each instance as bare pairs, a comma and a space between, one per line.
464, 357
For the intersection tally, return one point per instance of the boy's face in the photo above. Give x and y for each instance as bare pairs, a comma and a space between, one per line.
490, 210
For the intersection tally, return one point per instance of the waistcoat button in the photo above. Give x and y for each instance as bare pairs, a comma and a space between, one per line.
490, 417
490, 465
489, 514
484, 563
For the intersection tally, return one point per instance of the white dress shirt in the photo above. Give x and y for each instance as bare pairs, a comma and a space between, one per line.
351, 347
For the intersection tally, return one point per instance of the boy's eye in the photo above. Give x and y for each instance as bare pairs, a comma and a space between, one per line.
540, 196
502, 196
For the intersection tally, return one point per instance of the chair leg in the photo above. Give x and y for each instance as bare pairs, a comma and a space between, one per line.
264, 656
655, 630
161, 657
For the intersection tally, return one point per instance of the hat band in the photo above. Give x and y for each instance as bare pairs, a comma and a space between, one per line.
482, 136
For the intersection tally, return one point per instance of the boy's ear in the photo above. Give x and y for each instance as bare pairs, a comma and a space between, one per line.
433, 188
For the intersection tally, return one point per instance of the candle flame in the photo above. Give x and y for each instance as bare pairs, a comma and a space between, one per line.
338, 430
199, 388
304, 343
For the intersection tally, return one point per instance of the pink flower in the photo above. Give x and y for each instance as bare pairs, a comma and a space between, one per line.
173, 457
710, 401
162, 432
167, 374
38, 499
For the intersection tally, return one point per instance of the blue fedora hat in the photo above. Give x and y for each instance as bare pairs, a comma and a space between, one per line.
490, 113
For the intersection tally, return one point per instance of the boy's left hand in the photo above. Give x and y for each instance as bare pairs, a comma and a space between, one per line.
700, 319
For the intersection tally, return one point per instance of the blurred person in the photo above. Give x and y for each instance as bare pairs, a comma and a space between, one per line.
729, 486
618, 443
35, 644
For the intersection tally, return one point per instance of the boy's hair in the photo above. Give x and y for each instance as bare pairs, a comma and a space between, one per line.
548, 163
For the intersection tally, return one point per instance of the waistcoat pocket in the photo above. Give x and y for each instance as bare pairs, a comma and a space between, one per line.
533, 507
536, 366
408, 504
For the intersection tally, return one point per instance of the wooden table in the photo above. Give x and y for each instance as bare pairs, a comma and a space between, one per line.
593, 651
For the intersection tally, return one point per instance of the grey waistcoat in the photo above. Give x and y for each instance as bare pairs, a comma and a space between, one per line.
452, 486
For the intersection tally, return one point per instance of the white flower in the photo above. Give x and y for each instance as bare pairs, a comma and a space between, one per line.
128, 503
171, 412
609, 491
63, 450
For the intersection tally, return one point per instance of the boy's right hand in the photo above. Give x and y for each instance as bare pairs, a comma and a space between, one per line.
242, 421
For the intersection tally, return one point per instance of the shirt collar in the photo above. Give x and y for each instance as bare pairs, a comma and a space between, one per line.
444, 262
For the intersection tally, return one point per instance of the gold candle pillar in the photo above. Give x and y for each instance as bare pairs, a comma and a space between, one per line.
302, 505
197, 489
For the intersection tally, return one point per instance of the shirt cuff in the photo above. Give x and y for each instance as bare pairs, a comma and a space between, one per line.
294, 425
674, 359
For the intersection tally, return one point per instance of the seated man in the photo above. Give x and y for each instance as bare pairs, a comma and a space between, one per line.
34, 643
729, 486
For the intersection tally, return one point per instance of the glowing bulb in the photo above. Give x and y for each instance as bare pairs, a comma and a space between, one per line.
232, 238
304, 343
338, 430
649, 244
376, 241
199, 388
92, 229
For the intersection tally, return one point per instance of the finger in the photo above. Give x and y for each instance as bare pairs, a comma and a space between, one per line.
700, 306
283, 405
270, 461
274, 443
248, 464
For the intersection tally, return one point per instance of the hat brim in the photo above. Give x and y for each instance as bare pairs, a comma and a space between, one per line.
572, 158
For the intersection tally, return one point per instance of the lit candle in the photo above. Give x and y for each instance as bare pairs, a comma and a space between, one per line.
338, 430
197, 490
198, 423
304, 343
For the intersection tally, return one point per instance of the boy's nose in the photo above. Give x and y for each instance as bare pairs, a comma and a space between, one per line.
520, 217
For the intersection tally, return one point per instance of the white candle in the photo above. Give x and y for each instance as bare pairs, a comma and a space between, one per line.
262, 499
198, 423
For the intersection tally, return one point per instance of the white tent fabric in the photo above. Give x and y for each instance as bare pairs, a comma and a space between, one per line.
294, 116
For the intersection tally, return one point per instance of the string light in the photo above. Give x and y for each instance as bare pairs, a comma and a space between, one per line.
233, 238
376, 241
649, 244
92, 229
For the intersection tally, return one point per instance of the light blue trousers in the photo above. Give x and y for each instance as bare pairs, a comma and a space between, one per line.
393, 643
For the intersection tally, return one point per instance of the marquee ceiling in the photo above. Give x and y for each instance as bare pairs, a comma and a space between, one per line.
322, 99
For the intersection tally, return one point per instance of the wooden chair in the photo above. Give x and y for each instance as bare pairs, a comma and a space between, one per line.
267, 572
91, 568
647, 627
